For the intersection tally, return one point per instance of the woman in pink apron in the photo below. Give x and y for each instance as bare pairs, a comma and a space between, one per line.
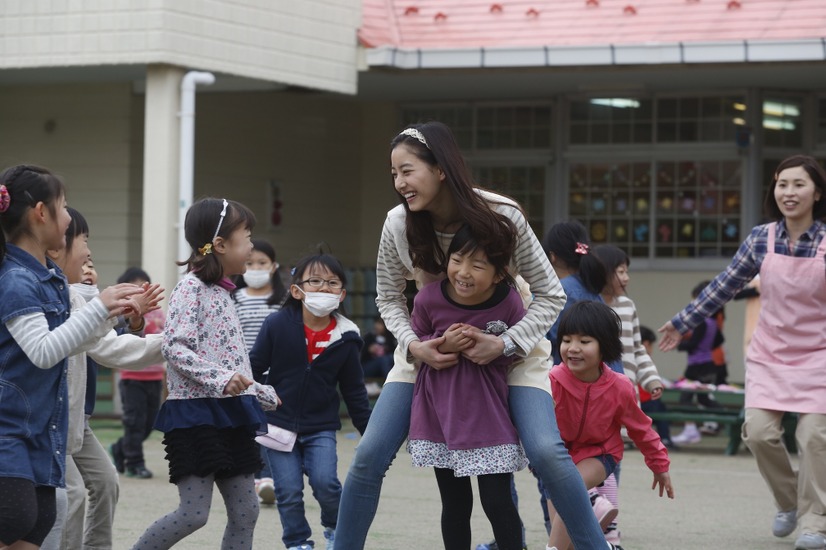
786, 360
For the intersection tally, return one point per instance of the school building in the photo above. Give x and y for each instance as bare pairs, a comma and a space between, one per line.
656, 122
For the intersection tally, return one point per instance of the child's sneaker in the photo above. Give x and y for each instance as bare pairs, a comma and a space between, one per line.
330, 538
265, 490
612, 534
688, 436
604, 511
710, 428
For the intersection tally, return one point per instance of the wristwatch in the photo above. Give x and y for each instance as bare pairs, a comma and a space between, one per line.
510, 345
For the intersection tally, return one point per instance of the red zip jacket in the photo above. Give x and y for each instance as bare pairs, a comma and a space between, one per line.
590, 416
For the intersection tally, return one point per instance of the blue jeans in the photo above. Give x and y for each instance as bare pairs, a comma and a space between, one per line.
532, 411
315, 455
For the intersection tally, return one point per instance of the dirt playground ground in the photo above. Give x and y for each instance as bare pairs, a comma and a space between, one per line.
721, 502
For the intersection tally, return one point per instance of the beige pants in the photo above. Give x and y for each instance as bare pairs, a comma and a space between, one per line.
804, 490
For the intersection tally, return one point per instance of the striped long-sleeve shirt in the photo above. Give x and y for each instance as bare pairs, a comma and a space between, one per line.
395, 267
636, 362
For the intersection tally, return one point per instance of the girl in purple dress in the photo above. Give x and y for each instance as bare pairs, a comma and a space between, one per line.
460, 423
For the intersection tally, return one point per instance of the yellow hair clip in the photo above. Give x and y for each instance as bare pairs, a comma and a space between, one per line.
206, 249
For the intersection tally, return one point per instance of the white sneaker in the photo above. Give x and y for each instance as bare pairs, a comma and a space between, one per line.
784, 523
688, 436
265, 490
810, 541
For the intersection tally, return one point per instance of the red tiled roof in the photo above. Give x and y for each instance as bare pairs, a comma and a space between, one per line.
456, 24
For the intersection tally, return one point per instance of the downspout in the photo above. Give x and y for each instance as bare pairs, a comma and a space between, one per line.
187, 151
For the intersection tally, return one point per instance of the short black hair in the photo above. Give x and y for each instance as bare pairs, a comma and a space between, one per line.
647, 335
77, 227
594, 319
322, 259
133, 274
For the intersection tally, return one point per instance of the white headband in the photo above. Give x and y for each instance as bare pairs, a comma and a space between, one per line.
414, 133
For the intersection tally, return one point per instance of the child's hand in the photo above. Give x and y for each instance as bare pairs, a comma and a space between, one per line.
428, 352
267, 397
486, 347
237, 385
455, 341
657, 391
120, 299
664, 481
150, 299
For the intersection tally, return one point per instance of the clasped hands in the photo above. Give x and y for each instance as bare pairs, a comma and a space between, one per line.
459, 339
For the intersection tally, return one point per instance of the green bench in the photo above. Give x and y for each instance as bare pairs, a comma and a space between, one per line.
731, 414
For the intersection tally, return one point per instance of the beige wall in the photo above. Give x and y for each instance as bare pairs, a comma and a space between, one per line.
310, 146
83, 133
659, 295
263, 39
329, 154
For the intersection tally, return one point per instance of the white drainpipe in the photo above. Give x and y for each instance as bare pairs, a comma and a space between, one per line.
187, 151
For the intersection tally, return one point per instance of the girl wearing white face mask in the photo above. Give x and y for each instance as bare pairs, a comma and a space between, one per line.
259, 291
310, 349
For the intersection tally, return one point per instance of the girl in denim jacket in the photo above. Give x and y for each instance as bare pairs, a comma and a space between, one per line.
36, 336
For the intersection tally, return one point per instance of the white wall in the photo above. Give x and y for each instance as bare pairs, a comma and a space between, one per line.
659, 295
81, 132
310, 43
330, 155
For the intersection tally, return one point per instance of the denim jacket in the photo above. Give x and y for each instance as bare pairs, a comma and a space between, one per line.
33, 401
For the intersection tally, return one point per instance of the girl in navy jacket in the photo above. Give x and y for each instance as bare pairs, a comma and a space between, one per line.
307, 350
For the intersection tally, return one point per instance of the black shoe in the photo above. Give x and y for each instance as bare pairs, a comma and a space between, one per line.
139, 472
117, 457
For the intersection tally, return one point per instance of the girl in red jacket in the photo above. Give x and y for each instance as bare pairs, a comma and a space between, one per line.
593, 403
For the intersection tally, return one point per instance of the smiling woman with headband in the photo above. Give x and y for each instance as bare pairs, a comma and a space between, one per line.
438, 195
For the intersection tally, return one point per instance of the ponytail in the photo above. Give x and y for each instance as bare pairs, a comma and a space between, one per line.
568, 241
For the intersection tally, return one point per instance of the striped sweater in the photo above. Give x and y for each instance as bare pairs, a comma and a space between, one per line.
635, 360
395, 267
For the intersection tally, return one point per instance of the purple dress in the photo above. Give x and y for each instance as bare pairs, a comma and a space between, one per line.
460, 418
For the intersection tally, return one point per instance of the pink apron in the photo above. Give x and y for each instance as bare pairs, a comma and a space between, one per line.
786, 361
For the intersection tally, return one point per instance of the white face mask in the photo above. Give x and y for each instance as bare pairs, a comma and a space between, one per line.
321, 304
257, 278
89, 292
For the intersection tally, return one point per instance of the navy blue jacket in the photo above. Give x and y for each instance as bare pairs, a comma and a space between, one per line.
309, 400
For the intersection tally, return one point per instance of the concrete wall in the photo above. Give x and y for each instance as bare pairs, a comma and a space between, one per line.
328, 154
83, 133
310, 43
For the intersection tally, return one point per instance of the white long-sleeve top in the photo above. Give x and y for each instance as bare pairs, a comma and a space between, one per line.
395, 267
110, 350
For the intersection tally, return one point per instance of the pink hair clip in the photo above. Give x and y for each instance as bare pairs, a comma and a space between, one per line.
5, 198
582, 248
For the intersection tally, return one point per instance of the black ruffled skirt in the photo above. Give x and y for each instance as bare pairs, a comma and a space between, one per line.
205, 450
208, 436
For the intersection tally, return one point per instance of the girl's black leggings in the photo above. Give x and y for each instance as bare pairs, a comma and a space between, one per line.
497, 502
27, 512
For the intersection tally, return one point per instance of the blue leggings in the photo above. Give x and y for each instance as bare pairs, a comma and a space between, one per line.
532, 411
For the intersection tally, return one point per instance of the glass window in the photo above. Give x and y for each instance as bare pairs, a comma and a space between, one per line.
821, 120
705, 119
782, 122
610, 120
490, 127
691, 209
524, 183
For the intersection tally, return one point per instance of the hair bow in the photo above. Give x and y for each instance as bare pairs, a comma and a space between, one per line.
582, 248
5, 198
